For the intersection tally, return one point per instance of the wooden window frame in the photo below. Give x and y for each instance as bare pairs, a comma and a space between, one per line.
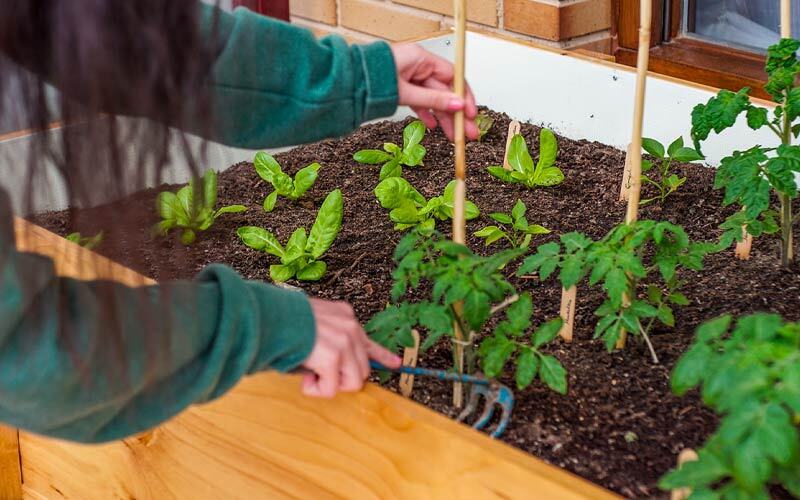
279, 9
674, 54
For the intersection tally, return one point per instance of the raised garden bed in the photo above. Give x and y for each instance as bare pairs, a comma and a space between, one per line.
619, 426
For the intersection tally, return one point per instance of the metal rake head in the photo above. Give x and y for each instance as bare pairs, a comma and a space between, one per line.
494, 394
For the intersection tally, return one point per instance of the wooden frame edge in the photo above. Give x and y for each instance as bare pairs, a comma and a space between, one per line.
10, 464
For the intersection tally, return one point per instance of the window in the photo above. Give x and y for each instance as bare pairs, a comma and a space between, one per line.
748, 24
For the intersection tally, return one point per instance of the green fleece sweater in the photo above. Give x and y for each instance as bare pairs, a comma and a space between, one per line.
175, 344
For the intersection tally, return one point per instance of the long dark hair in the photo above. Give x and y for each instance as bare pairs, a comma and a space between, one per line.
108, 60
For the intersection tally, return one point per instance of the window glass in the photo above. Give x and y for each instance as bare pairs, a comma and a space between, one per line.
750, 24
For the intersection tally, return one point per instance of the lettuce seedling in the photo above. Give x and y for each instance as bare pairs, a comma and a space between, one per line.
183, 210
545, 173
393, 157
283, 184
748, 177
301, 255
87, 242
459, 276
514, 227
645, 252
408, 208
666, 183
484, 123
751, 378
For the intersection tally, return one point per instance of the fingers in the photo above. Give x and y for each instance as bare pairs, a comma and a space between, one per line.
446, 120
326, 381
426, 116
383, 355
428, 97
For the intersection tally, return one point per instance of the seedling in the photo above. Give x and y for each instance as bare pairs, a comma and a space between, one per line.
183, 210
457, 275
408, 208
639, 252
283, 184
666, 182
545, 173
514, 227
301, 256
87, 242
749, 176
751, 378
393, 157
484, 123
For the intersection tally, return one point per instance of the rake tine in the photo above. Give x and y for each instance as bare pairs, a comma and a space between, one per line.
488, 409
505, 398
472, 405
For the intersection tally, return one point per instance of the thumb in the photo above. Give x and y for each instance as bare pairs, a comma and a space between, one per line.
428, 98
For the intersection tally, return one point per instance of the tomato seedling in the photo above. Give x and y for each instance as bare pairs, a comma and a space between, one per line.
87, 242
750, 376
666, 182
514, 227
301, 256
393, 157
190, 209
283, 185
458, 275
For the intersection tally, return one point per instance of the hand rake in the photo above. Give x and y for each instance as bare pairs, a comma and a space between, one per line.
495, 394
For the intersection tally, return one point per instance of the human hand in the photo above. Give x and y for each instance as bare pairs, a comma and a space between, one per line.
339, 360
424, 82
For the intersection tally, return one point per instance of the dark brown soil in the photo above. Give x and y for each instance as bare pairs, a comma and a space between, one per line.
619, 426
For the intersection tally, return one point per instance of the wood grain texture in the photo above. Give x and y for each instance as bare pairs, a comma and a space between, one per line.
265, 440
10, 474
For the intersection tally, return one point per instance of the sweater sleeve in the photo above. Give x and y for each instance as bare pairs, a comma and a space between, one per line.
275, 84
94, 361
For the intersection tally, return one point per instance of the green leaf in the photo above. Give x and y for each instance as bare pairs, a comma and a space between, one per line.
756, 117
169, 207
210, 189
549, 177
705, 471
484, 123
527, 366
476, 309
413, 155
518, 211
519, 313
678, 298
713, 329
270, 200
266, 166
496, 351
295, 247
327, 224
575, 241
372, 156
777, 435
653, 147
406, 213
548, 148
665, 315
675, 146
501, 218
690, 368
186, 200
553, 374
391, 169
647, 165
490, 234
751, 467
261, 240
313, 271
547, 332
230, 209
471, 210
501, 173
518, 156
393, 191
413, 134
616, 284
571, 270
304, 179
280, 273
686, 155
537, 229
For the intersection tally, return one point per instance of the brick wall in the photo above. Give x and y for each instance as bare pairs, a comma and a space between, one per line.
562, 23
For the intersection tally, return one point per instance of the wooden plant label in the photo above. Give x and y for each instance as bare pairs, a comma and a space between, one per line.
409, 359
742, 251
625, 187
513, 129
568, 299
687, 455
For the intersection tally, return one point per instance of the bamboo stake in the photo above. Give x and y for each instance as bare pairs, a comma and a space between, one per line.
409, 359
786, 19
635, 151
459, 220
513, 129
787, 249
625, 187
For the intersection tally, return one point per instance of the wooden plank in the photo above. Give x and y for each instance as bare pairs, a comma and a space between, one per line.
264, 439
10, 473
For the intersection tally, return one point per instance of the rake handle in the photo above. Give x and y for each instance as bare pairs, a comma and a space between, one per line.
427, 372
